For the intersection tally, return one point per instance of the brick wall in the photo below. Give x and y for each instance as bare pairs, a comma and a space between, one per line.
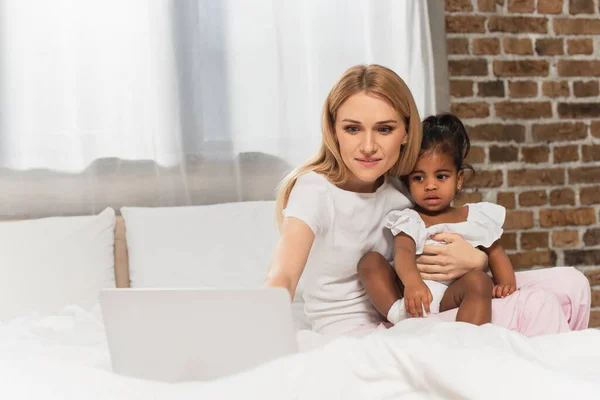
524, 76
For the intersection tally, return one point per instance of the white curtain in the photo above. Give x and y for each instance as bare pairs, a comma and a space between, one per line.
82, 80
179, 102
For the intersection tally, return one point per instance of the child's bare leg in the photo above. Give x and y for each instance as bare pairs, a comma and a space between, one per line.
472, 294
380, 281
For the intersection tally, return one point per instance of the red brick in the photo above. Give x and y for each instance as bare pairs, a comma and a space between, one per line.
470, 67
506, 199
584, 175
555, 89
562, 197
490, 89
595, 298
578, 110
465, 24
534, 240
504, 154
457, 46
586, 89
533, 258
521, 6
518, 220
508, 241
536, 177
533, 198
566, 154
566, 238
580, 46
578, 68
521, 68
581, 6
467, 197
590, 152
486, 5
535, 155
486, 46
582, 257
590, 195
520, 89
517, 46
559, 131
595, 129
594, 319
567, 216
459, 5
549, 47
461, 88
593, 276
576, 26
497, 133
550, 6
524, 110
518, 24
477, 109
591, 237
476, 155
486, 179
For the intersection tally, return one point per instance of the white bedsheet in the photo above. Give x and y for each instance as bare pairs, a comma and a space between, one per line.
66, 357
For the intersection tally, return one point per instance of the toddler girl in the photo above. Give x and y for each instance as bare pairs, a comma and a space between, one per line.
434, 182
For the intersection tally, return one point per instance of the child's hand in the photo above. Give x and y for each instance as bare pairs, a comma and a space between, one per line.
503, 290
416, 296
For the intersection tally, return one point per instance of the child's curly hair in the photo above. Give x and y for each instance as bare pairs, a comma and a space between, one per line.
445, 133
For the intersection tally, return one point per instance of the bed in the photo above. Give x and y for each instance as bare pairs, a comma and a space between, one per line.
61, 352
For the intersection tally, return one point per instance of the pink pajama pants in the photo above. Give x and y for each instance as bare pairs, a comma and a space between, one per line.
551, 300
547, 301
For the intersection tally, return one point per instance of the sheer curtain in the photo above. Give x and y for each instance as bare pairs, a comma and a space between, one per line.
169, 81
84, 79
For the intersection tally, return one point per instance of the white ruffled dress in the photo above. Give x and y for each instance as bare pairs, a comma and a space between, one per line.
483, 227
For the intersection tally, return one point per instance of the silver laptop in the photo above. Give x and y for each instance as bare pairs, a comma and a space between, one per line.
177, 335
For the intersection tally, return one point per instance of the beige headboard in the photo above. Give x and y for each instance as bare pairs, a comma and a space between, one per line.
121, 257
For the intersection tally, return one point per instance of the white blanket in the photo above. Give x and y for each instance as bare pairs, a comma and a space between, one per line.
66, 357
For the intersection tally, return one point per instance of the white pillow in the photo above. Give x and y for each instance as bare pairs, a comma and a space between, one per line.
216, 246
48, 263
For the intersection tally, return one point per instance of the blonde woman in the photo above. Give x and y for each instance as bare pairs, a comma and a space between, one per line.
331, 210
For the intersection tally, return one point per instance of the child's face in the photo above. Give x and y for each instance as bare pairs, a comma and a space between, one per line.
434, 181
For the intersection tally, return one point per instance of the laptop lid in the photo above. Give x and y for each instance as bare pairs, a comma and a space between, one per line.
176, 335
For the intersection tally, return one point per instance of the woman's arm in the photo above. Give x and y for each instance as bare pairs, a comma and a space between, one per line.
291, 253
451, 261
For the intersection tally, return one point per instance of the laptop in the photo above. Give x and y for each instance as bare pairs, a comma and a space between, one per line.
178, 335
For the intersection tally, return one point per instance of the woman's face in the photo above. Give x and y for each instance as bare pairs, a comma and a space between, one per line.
370, 134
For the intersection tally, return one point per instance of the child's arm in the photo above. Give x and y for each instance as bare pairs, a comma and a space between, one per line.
502, 270
416, 293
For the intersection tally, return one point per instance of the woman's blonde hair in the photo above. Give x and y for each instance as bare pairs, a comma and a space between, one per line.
374, 80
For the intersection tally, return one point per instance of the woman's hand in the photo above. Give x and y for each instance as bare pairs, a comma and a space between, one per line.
416, 297
452, 260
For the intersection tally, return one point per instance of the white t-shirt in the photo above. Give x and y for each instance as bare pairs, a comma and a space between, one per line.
346, 226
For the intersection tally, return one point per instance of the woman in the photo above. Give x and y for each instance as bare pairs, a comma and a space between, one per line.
331, 212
